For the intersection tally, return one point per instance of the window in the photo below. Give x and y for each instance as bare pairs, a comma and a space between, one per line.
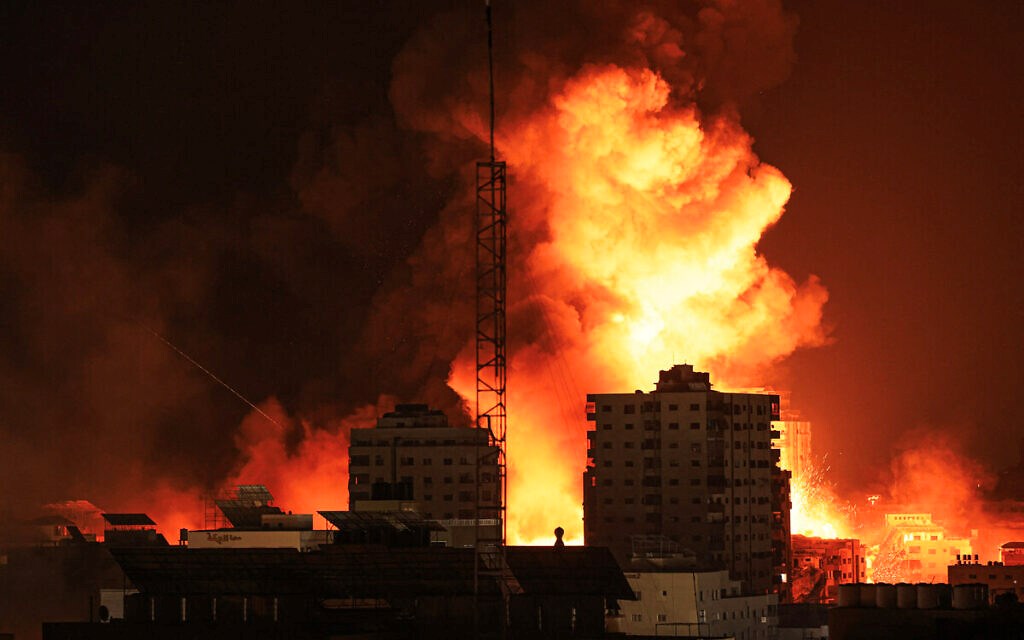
606, 427
606, 408
695, 447
629, 409
636, 617
378, 460
408, 462
427, 462
448, 462
428, 481
694, 407
448, 497
662, 617
673, 426
447, 479
629, 426
359, 461
694, 426
694, 463
673, 407
606, 445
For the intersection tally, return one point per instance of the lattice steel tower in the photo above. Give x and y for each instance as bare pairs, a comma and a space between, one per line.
491, 343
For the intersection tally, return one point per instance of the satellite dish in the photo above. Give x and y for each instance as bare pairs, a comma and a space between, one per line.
104, 613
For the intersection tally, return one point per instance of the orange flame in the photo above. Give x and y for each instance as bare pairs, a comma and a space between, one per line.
651, 214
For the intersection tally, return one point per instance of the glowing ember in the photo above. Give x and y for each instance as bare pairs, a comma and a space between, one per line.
815, 510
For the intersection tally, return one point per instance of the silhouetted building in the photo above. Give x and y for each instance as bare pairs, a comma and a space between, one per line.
362, 591
414, 457
688, 463
926, 611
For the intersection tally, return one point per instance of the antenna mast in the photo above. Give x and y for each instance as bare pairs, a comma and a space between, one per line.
491, 286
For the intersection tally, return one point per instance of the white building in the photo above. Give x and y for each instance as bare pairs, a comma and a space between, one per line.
692, 603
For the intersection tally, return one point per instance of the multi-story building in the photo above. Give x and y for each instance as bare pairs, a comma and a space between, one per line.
704, 604
414, 457
688, 463
820, 565
916, 549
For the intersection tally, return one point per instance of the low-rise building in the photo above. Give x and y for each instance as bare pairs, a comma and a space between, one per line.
694, 604
820, 565
1000, 578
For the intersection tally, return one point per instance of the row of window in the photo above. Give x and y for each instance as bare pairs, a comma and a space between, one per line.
674, 482
410, 443
736, 409
654, 498
428, 481
405, 461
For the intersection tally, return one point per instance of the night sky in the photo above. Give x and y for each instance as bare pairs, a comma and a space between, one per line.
161, 169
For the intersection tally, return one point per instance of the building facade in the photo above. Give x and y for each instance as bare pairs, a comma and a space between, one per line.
705, 604
820, 565
688, 463
415, 457
1000, 578
916, 549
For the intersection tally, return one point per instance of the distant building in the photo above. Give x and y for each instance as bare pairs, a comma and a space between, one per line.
688, 463
820, 565
999, 577
916, 549
705, 604
414, 459
1012, 553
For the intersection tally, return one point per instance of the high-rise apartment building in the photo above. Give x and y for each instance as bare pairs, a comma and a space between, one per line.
415, 458
687, 463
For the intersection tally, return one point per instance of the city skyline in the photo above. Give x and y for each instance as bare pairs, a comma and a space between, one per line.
202, 188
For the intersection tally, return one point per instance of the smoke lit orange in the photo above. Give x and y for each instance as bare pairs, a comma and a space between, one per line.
652, 213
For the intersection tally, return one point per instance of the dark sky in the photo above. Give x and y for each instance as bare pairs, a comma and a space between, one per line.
161, 161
